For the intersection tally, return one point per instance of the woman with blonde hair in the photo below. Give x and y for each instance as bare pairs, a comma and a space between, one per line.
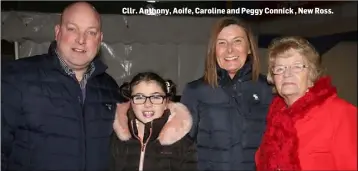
229, 103
308, 126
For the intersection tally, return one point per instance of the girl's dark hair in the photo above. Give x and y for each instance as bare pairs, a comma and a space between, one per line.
167, 86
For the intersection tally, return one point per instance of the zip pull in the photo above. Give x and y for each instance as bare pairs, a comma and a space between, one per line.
145, 144
143, 147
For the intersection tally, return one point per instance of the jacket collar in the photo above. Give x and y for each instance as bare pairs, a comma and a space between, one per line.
175, 123
54, 61
317, 94
156, 125
244, 73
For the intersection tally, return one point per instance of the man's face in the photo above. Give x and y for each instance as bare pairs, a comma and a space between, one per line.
79, 36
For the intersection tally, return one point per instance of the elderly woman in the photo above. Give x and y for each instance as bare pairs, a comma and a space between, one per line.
230, 102
309, 127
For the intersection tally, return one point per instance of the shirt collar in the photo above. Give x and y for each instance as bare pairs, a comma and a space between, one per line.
69, 71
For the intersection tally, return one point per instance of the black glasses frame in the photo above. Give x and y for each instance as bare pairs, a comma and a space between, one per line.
151, 99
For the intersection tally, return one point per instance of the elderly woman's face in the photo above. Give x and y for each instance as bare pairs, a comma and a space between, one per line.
232, 48
291, 75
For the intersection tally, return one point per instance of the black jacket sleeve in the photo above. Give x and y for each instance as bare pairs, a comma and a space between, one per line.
188, 159
116, 158
11, 110
190, 100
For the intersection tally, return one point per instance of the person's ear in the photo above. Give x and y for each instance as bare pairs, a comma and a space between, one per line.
57, 31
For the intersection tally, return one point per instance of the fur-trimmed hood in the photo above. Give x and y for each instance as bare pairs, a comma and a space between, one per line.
175, 123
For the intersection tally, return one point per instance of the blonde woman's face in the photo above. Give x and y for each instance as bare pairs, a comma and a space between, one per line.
232, 48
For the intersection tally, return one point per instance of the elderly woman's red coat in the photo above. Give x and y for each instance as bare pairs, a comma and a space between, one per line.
317, 132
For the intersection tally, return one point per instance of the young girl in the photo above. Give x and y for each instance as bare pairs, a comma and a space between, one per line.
150, 130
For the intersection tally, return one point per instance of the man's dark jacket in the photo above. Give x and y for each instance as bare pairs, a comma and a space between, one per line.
44, 123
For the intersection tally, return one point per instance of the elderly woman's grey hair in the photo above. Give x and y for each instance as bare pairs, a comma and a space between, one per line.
280, 47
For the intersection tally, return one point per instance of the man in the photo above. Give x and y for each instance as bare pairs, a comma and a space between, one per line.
58, 108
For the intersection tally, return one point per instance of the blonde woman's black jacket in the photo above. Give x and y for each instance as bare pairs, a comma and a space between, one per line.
166, 146
228, 120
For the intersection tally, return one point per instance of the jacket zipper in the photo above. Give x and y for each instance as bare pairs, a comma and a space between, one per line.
83, 126
84, 135
82, 119
143, 147
83, 123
